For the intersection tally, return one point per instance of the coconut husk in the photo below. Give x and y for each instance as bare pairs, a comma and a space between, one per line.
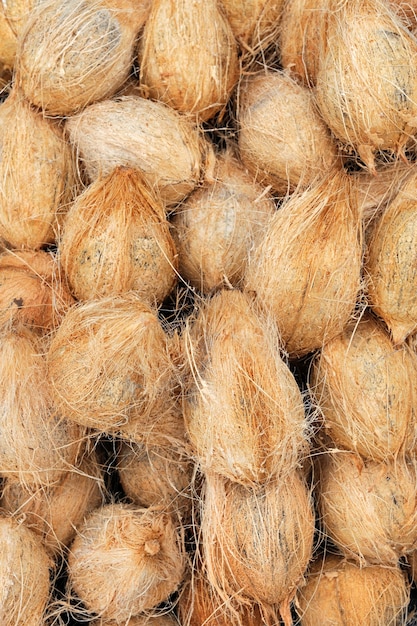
282, 139
141, 620
412, 565
407, 12
116, 239
368, 508
372, 104
126, 560
218, 225
366, 390
339, 592
13, 16
306, 271
165, 146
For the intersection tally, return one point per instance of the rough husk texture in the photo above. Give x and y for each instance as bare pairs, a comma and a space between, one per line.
117, 239
126, 560
140, 620
306, 271
338, 592
150, 136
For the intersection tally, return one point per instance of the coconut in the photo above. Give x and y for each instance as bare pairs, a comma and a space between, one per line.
75, 52
150, 136
366, 390
33, 195
407, 11
24, 575
282, 139
165, 619
306, 271
368, 508
125, 560
32, 290
338, 592
371, 104
218, 225
13, 16
116, 239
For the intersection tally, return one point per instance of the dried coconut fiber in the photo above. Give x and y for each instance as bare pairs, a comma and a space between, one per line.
13, 16
140, 620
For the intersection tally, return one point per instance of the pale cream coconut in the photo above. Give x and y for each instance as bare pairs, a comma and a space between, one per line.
368, 508
367, 80
165, 619
307, 269
217, 227
24, 575
166, 146
339, 592
126, 560
282, 139
116, 239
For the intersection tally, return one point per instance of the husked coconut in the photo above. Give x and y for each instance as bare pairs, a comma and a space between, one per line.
164, 619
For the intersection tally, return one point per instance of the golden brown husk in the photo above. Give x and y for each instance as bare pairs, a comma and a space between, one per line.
282, 139
339, 592
116, 239
306, 271
167, 147
165, 619
368, 508
219, 224
243, 409
366, 390
126, 560
24, 575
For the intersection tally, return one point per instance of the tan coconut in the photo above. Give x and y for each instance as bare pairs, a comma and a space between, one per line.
368, 508
24, 575
165, 619
366, 390
218, 225
339, 592
13, 16
116, 239
126, 560
306, 271
37, 175
166, 146
367, 80
75, 52
282, 139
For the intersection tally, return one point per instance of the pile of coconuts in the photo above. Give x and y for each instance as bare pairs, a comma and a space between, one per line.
208, 312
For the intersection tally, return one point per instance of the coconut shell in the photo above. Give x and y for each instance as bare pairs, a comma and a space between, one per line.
117, 239
218, 225
125, 560
150, 136
282, 139
338, 592
165, 619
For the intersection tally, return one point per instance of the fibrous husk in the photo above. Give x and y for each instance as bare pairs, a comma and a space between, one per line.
75, 52
165, 619
37, 175
368, 508
188, 57
282, 139
166, 146
306, 271
126, 560
24, 575
116, 239
366, 390
218, 225
243, 409
367, 80
339, 592
13, 16
32, 290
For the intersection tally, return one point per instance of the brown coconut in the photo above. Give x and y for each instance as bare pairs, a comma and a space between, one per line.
75, 52
218, 225
371, 103
306, 271
126, 560
37, 175
368, 508
165, 619
167, 147
282, 139
116, 239
24, 575
339, 592
243, 409
366, 390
